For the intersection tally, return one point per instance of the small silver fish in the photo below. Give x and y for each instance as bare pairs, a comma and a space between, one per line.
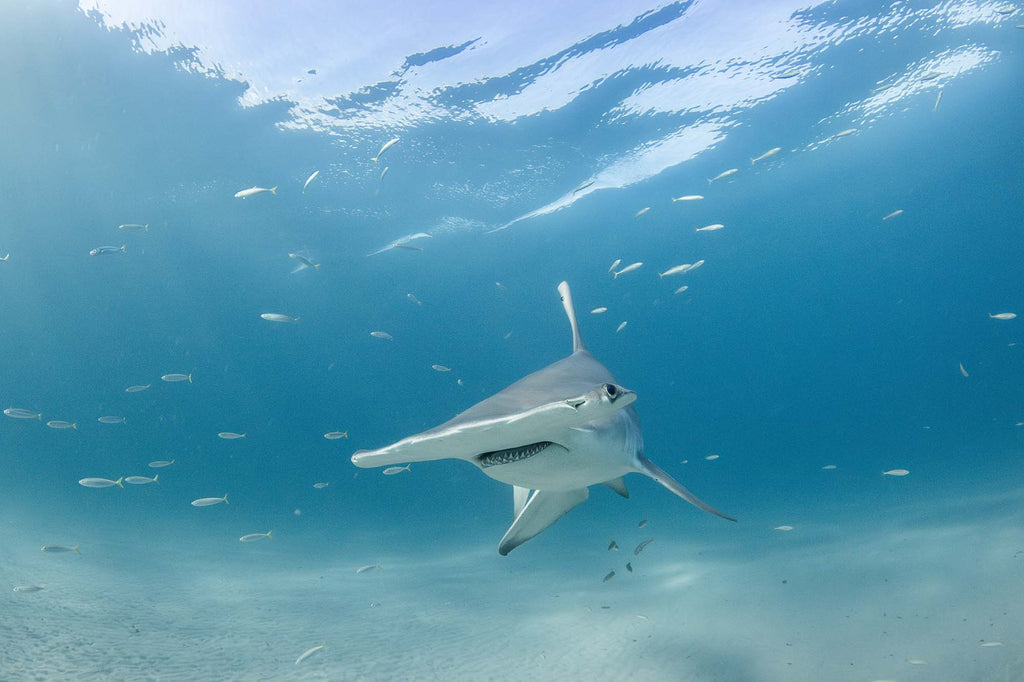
696, 265
335, 435
370, 567
629, 268
253, 537
28, 588
320, 486
710, 228
767, 155
938, 98
19, 413
783, 528
108, 250
896, 472
382, 174
608, 577
583, 185
792, 73
278, 317
711, 458
309, 652
134, 226
676, 270
724, 174
253, 191
176, 378
304, 262
681, 289
963, 371
640, 547
112, 419
309, 180
895, 214
140, 480
230, 435
997, 316
622, 325
844, 133
440, 368
598, 311
414, 299
828, 467
59, 549
161, 463
391, 471
137, 389
209, 501
382, 335
387, 145
615, 264
688, 197
60, 424
100, 482
643, 210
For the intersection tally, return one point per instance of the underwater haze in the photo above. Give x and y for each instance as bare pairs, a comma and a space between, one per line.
840, 368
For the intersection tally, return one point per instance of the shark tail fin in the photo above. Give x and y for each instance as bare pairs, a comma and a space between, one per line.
543, 509
649, 468
570, 311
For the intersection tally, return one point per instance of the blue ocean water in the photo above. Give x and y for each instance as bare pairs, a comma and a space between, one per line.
818, 332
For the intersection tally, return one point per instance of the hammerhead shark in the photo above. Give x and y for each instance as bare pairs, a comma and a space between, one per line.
550, 435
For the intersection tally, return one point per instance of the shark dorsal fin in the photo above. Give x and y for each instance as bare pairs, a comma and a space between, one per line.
570, 311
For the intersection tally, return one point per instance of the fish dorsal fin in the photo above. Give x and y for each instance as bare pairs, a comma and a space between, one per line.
570, 311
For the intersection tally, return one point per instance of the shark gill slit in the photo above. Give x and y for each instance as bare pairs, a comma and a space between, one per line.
510, 455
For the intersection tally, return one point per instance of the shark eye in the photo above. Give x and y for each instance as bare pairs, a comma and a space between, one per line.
611, 390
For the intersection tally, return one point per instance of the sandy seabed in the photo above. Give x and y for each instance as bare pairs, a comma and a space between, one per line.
815, 603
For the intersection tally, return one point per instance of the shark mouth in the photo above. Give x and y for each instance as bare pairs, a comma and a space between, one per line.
511, 455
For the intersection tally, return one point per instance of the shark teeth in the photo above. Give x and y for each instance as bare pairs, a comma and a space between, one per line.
510, 455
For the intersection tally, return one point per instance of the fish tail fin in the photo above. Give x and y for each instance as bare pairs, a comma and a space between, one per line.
752, 160
118, 482
124, 248
270, 535
190, 377
660, 275
317, 266
225, 498
374, 159
39, 416
75, 425
710, 181
156, 477
273, 190
145, 227
76, 550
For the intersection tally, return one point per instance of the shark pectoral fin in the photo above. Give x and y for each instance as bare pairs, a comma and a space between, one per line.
618, 485
519, 499
649, 468
543, 508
